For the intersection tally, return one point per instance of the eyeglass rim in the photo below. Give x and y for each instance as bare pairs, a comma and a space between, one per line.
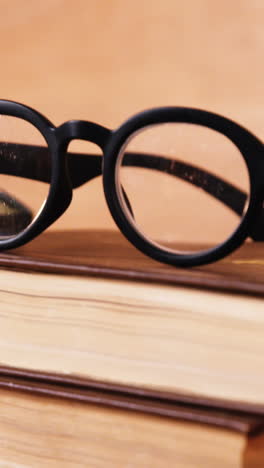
250, 148
110, 142
52, 203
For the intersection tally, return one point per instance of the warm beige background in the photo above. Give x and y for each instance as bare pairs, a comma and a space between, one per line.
105, 60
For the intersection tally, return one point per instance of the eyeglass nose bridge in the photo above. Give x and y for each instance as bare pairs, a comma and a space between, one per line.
82, 167
83, 130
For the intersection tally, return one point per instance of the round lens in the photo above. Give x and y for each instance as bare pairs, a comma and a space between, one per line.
25, 173
184, 187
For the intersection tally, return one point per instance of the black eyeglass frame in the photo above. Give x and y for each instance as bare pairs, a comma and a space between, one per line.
111, 143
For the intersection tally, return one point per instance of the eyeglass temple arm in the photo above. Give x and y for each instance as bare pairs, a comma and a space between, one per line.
85, 167
34, 164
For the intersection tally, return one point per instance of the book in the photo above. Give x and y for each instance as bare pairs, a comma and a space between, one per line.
88, 308
53, 425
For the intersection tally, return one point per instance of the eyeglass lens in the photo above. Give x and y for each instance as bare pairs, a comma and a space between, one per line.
187, 185
22, 193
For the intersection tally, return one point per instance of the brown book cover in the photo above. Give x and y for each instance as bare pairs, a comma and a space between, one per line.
109, 254
64, 424
244, 422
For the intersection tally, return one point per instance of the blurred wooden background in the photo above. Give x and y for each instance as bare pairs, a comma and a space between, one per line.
105, 60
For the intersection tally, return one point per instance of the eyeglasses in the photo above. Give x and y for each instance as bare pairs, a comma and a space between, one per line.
185, 186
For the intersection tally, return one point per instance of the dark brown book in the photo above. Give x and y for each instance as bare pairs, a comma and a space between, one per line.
64, 425
87, 307
108, 254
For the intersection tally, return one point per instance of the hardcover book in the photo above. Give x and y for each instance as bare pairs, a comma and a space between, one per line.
87, 307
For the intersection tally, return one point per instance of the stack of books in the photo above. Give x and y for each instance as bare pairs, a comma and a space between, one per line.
109, 359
